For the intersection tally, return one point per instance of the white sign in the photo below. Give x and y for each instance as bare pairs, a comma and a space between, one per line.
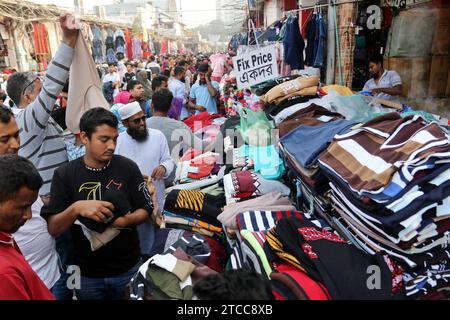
255, 67
374, 19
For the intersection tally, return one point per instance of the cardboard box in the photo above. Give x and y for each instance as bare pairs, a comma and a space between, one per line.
403, 66
441, 38
420, 77
439, 76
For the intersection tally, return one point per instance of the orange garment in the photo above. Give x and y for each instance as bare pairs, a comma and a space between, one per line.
40, 39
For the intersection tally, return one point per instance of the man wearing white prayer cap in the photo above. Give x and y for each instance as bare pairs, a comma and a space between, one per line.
149, 149
129, 110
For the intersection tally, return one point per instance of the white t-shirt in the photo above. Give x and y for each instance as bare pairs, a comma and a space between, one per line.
111, 77
389, 79
148, 155
178, 90
38, 246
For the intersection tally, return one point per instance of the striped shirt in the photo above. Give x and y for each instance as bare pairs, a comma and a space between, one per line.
367, 158
41, 137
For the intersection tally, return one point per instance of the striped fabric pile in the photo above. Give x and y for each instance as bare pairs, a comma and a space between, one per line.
390, 191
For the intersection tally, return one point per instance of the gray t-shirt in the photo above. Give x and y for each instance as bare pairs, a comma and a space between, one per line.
179, 136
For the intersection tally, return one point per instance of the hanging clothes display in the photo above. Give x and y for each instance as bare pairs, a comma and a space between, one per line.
164, 47
128, 45
41, 45
137, 48
85, 91
316, 36
145, 50
110, 47
293, 44
40, 39
151, 46
119, 44
97, 45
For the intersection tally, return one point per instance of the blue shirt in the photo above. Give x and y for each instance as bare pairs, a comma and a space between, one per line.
115, 109
73, 151
202, 96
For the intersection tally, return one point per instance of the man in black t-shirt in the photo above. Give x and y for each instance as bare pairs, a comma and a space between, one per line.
129, 75
100, 196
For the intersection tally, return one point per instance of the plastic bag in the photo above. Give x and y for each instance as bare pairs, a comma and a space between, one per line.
255, 127
353, 108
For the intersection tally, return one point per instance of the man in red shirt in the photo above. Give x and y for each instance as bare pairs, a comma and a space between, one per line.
19, 188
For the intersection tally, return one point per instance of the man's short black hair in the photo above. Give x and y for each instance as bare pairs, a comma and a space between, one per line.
177, 71
5, 114
234, 285
182, 63
111, 64
162, 100
17, 172
376, 58
131, 84
157, 81
96, 117
203, 67
152, 58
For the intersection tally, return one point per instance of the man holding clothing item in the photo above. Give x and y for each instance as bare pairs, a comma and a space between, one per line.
41, 137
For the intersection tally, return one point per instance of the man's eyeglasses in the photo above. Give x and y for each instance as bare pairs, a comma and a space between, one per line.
138, 120
29, 84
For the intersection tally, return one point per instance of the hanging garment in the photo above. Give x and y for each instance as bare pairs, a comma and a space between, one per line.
40, 39
119, 41
145, 50
97, 45
85, 91
109, 41
293, 44
128, 45
316, 36
164, 47
137, 48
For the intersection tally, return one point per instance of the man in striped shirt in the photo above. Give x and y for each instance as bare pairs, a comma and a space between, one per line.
41, 136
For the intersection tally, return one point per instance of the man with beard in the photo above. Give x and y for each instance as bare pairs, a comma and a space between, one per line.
101, 197
204, 92
149, 149
383, 83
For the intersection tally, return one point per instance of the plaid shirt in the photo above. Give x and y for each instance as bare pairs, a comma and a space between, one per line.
73, 151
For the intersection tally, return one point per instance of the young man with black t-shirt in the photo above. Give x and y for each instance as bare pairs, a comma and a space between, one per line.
100, 196
129, 75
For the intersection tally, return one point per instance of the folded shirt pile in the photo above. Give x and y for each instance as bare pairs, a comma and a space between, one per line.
391, 192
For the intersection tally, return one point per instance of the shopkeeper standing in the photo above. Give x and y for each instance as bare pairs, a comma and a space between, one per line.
383, 83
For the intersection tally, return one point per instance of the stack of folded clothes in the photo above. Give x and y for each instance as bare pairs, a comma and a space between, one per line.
248, 184
194, 166
338, 269
390, 190
193, 210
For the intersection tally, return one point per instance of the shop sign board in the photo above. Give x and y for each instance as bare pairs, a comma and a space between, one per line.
256, 66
